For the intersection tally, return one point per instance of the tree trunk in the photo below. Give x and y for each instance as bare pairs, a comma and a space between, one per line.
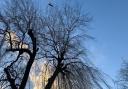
52, 78
31, 60
11, 81
25, 78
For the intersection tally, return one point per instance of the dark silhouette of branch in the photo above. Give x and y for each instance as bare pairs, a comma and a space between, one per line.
31, 60
11, 80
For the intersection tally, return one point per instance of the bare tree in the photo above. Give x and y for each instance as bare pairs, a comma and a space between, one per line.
123, 76
19, 21
56, 36
65, 30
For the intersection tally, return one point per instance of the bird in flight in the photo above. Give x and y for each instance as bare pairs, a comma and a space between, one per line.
49, 3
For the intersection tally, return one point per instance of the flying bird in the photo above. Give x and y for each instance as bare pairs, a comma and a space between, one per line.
50, 4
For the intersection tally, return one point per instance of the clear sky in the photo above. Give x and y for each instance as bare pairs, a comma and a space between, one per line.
110, 29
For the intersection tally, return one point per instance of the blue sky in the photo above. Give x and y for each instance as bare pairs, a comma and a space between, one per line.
110, 29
